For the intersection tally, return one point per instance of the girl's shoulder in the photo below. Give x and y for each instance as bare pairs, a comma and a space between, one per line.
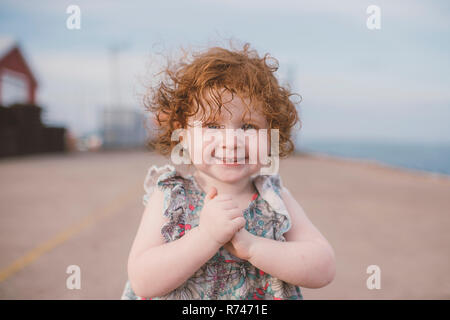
171, 182
164, 177
269, 188
181, 198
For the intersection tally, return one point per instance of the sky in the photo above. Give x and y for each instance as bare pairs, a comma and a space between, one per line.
389, 84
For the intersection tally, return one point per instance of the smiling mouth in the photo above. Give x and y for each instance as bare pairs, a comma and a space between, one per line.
231, 160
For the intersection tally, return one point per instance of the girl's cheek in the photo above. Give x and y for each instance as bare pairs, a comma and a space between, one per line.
208, 150
202, 146
263, 148
191, 145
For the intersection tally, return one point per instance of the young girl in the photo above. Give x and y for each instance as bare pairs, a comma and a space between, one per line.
224, 231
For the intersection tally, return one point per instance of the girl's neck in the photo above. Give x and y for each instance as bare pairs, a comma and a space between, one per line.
206, 182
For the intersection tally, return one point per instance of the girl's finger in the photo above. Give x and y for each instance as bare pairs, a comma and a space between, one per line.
238, 223
224, 197
228, 205
211, 194
235, 213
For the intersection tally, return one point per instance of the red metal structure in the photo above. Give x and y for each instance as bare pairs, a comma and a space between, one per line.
17, 82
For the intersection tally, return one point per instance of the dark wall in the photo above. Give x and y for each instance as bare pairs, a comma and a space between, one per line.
22, 132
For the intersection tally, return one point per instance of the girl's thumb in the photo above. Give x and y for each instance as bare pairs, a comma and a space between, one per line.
211, 194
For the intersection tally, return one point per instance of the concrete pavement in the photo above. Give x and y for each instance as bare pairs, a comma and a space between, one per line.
84, 209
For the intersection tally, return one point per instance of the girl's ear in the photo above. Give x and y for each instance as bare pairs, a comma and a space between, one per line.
177, 124
183, 139
160, 117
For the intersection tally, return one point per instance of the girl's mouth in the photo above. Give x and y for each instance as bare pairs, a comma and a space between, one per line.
231, 162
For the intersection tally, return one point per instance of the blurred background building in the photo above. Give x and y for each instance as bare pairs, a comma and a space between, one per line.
21, 129
123, 128
17, 82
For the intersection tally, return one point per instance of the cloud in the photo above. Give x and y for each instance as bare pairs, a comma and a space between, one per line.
431, 11
339, 64
76, 87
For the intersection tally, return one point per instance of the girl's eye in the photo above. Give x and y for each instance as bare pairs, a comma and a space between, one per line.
248, 126
213, 126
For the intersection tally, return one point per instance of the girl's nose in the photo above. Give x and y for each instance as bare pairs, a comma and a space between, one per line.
231, 143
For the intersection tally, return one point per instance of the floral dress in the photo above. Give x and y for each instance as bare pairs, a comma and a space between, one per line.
223, 276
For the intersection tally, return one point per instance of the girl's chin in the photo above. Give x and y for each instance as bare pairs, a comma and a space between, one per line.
232, 173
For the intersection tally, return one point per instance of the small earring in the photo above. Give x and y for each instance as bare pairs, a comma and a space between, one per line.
185, 149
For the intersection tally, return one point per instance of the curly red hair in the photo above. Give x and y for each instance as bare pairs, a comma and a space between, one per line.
186, 84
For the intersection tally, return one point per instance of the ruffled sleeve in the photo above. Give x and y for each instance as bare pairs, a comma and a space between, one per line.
168, 180
154, 174
269, 188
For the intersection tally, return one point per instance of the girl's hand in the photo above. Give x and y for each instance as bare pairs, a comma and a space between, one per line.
241, 244
220, 218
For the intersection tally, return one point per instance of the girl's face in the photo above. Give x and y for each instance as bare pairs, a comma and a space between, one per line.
236, 157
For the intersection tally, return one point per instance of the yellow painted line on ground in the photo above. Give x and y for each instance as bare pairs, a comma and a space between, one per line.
66, 234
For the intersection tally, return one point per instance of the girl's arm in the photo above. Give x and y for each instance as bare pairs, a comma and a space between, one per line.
155, 267
306, 258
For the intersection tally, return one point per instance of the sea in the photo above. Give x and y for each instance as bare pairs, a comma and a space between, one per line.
426, 157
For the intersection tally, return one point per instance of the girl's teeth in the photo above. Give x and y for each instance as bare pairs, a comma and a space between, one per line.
230, 160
